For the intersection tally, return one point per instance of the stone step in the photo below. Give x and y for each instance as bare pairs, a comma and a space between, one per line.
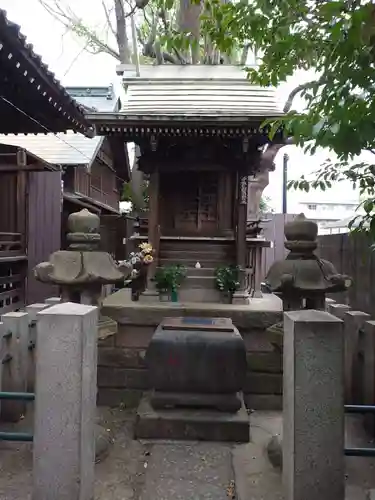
203, 271
197, 246
189, 254
191, 262
208, 272
200, 295
207, 282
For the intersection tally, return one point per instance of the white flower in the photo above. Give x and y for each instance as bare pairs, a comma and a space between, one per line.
134, 260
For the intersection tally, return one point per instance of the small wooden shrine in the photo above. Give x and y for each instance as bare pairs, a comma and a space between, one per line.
198, 131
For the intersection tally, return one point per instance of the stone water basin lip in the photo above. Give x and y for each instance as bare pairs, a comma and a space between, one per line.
260, 313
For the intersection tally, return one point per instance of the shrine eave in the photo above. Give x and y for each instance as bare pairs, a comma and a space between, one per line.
32, 100
147, 126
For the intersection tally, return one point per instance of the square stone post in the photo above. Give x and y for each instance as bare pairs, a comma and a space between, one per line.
65, 403
15, 361
313, 406
354, 369
32, 310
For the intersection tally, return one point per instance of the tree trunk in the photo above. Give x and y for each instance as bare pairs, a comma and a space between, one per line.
121, 34
189, 21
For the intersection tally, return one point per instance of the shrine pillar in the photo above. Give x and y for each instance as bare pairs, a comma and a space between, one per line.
241, 296
256, 185
151, 294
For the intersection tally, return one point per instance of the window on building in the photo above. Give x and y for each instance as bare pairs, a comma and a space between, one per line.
311, 207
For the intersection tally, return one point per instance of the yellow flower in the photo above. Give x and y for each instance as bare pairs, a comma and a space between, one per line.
148, 259
146, 247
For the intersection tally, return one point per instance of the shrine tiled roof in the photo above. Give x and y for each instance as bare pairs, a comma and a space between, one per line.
196, 91
32, 100
188, 100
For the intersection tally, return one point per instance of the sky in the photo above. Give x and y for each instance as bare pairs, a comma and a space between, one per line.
64, 54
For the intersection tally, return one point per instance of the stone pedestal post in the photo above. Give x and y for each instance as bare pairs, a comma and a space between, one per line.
354, 383
32, 311
14, 363
65, 402
313, 406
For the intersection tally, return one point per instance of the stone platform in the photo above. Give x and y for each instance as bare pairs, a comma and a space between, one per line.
122, 368
260, 313
189, 424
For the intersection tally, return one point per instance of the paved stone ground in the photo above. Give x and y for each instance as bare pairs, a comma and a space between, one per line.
183, 471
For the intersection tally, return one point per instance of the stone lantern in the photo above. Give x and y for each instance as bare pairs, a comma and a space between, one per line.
82, 270
302, 279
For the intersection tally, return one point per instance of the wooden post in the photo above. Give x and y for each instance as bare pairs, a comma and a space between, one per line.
242, 295
150, 294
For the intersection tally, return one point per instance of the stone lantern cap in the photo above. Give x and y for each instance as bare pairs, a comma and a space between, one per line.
82, 263
302, 272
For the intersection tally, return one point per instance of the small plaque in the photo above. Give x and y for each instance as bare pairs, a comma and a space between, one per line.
207, 324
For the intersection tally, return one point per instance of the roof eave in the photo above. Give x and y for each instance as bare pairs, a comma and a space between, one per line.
99, 118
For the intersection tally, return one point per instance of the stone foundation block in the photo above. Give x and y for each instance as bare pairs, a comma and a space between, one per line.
192, 425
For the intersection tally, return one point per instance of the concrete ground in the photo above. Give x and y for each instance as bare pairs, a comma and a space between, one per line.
147, 470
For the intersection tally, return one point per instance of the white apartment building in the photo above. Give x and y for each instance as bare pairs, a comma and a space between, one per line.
325, 207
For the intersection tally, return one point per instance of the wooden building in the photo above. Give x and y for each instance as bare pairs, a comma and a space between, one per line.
88, 174
32, 101
198, 129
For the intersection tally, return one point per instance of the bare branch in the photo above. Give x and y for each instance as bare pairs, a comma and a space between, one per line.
108, 18
73, 23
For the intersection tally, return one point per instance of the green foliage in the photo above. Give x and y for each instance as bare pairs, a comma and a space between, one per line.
335, 41
169, 278
227, 279
129, 196
264, 205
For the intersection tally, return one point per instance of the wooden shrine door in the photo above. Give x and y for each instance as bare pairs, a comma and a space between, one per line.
195, 204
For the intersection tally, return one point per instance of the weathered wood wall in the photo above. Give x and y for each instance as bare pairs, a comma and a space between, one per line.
274, 232
351, 254
44, 229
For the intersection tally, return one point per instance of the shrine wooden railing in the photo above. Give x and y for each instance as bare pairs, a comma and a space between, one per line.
13, 269
11, 244
111, 199
85, 184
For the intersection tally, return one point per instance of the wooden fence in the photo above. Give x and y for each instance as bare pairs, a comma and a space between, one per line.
274, 232
351, 254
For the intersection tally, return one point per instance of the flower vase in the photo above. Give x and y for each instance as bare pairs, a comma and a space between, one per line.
174, 296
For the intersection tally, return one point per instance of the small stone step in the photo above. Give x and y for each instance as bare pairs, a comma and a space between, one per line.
206, 282
195, 255
191, 262
201, 295
203, 271
197, 246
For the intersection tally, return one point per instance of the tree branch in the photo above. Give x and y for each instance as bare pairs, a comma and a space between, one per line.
298, 89
108, 18
74, 24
